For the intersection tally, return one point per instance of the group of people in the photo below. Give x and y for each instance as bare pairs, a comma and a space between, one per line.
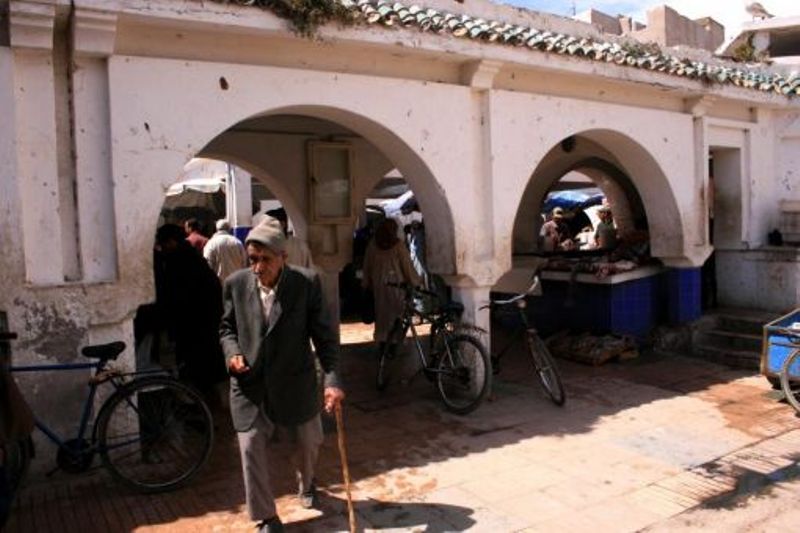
256, 325
559, 233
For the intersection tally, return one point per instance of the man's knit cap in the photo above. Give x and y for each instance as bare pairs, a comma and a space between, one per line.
268, 233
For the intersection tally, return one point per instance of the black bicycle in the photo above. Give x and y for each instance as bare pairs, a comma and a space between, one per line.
457, 360
152, 432
543, 362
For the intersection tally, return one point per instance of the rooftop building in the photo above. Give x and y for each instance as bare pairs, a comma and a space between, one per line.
776, 39
665, 26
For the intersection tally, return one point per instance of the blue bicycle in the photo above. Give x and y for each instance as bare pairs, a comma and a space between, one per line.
153, 433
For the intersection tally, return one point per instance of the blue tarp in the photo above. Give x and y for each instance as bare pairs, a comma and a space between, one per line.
573, 199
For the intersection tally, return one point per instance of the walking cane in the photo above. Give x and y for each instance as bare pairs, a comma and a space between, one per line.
345, 470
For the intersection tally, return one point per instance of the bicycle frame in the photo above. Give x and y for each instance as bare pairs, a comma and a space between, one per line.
521, 332
438, 326
93, 384
408, 324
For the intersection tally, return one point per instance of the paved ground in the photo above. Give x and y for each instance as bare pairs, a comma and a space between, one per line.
659, 443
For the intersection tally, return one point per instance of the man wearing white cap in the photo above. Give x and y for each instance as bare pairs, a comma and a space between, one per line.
224, 252
273, 311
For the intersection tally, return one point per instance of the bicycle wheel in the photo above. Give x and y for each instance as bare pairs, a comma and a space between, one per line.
790, 379
155, 434
546, 369
464, 374
387, 356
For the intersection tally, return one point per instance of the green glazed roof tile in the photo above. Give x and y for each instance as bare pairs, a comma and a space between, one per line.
379, 12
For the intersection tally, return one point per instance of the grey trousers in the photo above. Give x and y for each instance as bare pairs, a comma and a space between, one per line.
254, 447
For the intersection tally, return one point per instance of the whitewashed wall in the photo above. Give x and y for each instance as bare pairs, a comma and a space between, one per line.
466, 123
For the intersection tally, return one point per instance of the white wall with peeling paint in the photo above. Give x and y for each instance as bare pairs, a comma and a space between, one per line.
468, 125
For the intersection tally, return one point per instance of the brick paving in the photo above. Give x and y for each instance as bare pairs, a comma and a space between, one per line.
637, 445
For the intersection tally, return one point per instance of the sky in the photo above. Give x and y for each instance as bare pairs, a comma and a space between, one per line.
730, 13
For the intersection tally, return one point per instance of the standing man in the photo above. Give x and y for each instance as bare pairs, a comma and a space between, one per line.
605, 235
556, 232
193, 235
224, 252
272, 312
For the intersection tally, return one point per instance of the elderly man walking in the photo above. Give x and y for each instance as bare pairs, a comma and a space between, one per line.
273, 311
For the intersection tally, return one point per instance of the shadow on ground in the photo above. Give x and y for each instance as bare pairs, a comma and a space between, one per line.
392, 436
375, 514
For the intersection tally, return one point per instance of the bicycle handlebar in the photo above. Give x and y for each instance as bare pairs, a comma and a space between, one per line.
7, 336
514, 299
411, 289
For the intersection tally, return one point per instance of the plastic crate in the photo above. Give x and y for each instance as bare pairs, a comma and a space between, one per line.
777, 346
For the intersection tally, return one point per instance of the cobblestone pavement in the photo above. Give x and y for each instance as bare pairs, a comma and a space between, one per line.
650, 443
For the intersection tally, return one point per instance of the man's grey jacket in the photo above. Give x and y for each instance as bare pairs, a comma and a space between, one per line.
282, 374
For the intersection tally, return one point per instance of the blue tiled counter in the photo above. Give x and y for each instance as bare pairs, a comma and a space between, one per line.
629, 303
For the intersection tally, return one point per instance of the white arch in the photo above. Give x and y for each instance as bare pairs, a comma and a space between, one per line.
148, 148
624, 153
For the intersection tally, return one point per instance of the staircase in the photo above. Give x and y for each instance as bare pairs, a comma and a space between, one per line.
732, 336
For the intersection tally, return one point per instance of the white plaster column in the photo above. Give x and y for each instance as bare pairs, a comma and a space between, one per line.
761, 42
330, 290
761, 211
93, 36
31, 26
239, 198
473, 298
699, 108
480, 76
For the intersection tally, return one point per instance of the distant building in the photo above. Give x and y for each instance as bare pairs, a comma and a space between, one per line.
665, 26
776, 39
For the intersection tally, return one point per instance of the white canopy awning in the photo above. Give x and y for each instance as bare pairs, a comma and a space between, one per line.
201, 175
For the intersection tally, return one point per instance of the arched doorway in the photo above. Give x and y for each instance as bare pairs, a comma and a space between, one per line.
278, 149
275, 150
619, 290
580, 162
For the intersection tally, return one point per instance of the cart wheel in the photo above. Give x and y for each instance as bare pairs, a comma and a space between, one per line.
790, 380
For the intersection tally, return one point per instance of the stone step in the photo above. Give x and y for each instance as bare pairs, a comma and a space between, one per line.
747, 321
727, 356
731, 340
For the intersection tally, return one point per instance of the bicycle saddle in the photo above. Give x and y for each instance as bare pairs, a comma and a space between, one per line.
107, 352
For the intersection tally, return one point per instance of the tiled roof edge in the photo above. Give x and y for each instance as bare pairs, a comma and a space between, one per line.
632, 54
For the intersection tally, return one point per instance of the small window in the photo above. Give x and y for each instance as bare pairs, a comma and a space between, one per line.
330, 167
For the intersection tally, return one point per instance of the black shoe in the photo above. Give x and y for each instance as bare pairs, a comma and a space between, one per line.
273, 525
308, 499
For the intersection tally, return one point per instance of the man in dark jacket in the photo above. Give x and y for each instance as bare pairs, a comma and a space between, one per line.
272, 312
